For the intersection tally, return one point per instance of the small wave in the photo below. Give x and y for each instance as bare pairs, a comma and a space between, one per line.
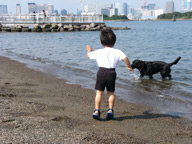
161, 96
73, 67
78, 70
171, 98
135, 77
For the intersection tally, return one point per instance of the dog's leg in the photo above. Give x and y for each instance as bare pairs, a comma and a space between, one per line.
163, 76
150, 76
141, 76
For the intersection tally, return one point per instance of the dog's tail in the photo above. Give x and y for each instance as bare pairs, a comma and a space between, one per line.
175, 62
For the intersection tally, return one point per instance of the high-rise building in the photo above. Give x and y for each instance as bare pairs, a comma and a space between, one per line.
145, 7
95, 8
99, 7
151, 6
158, 12
109, 6
136, 12
18, 9
32, 7
128, 9
49, 8
63, 12
148, 7
3, 9
122, 8
150, 11
105, 11
187, 5
39, 8
147, 13
90, 8
170, 7
79, 12
113, 11
56, 12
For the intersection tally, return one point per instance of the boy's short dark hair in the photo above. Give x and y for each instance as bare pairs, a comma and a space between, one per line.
107, 37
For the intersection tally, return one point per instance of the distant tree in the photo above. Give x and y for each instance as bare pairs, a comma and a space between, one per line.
116, 17
105, 16
178, 15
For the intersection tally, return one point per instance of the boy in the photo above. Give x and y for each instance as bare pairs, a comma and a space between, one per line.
107, 59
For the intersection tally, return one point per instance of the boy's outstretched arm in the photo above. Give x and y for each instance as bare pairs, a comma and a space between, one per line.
127, 62
89, 49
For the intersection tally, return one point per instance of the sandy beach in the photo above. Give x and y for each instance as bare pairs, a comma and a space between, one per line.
39, 108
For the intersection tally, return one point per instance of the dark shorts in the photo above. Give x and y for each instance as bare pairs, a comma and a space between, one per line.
105, 78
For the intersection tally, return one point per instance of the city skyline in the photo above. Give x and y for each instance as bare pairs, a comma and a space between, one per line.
73, 5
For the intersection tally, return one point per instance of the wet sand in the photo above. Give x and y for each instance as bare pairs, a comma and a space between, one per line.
39, 108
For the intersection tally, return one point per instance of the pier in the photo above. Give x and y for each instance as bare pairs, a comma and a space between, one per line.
40, 19
52, 23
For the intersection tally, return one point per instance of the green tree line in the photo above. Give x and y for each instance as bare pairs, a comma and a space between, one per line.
178, 15
115, 17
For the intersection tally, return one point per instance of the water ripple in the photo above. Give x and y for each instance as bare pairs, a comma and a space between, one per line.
149, 41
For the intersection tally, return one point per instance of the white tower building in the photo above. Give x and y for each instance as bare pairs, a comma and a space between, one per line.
18, 9
122, 8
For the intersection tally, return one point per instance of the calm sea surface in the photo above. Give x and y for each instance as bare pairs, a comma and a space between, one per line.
64, 55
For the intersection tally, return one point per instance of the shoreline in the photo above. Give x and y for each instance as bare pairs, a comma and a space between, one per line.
36, 107
146, 20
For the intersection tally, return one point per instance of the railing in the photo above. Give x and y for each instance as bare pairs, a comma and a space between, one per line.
40, 19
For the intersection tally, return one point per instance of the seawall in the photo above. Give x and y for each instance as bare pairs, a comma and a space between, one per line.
58, 27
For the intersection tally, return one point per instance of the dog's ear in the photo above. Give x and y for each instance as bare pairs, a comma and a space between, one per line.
133, 62
136, 61
139, 64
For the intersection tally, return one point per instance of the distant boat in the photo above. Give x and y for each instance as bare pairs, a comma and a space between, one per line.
173, 19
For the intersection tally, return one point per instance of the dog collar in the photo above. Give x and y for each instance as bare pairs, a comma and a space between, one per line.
142, 67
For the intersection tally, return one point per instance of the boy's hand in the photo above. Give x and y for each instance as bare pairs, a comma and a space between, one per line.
126, 60
130, 69
89, 49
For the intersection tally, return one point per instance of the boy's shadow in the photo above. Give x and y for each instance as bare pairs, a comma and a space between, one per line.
145, 115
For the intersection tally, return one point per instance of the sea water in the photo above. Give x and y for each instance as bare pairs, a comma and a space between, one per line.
64, 55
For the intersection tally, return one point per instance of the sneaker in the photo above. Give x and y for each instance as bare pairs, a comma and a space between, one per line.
110, 114
96, 114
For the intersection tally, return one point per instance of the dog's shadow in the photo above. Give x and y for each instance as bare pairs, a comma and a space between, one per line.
145, 115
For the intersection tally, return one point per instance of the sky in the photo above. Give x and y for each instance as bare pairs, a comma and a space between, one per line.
72, 5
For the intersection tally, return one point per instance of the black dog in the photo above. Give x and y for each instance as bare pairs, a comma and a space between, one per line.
153, 67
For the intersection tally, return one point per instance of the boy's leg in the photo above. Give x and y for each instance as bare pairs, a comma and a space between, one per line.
111, 99
98, 98
110, 114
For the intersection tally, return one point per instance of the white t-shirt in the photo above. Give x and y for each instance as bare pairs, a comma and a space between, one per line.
107, 57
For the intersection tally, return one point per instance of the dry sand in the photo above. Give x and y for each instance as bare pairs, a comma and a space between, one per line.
39, 108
